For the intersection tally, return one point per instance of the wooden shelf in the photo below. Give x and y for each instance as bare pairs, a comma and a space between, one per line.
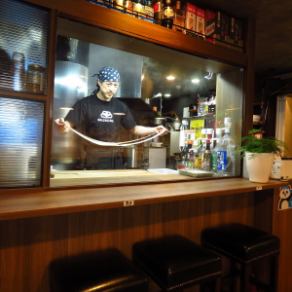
116, 21
23, 95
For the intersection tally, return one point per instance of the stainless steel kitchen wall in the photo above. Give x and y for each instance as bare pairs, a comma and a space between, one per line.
129, 65
77, 62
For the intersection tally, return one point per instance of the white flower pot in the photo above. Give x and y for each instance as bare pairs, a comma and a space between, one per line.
259, 166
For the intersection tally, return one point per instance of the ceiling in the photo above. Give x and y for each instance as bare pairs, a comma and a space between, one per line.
273, 44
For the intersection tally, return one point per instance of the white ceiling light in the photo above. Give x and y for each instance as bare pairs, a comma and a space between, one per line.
195, 80
170, 77
167, 95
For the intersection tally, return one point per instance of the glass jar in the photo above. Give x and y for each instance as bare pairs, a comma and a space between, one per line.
18, 71
35, 78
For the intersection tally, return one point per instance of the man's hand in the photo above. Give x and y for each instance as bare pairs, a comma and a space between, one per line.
143, 131
63, 126
160, 129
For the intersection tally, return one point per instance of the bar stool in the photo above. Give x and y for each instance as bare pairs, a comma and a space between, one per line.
245, 246
107, 270
175, 262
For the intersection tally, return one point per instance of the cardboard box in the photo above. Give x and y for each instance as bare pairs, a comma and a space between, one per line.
191, 17
179, 19
212, 25
238, 32
200, 21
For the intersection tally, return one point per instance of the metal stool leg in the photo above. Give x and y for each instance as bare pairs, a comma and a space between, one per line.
218, 285
211, 286
245, 278
274, 273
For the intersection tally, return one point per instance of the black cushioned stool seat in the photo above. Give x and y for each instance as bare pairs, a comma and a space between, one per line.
245, 245
175, 262
107, 270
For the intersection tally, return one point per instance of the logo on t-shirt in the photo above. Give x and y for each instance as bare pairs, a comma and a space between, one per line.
106, 117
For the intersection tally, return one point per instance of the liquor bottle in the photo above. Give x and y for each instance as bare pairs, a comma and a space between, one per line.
193, 109
207, 156
98, 2
138, 8
119, 4
214, 157
219, 154
128, 4
212, 105
157, 8
168, 14
190, 161
221, 158
149, 12
230, 146
179, 17
182, 135
198, 154
109, 3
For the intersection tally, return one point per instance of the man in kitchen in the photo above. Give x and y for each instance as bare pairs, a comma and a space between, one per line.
101, 117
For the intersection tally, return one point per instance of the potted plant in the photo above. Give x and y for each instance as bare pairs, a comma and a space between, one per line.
259, 155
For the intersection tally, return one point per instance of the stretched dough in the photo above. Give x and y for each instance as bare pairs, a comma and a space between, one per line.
117, 144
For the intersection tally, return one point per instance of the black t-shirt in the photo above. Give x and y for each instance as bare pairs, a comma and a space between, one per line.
101, 120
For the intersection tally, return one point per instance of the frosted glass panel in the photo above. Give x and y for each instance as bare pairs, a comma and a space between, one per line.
21, 135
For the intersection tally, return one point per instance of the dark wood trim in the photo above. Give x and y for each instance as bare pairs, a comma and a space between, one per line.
281, 227
23, 95
49, 103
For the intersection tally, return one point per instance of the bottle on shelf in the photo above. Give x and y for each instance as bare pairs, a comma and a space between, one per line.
212, 105
168, 14
18, 71
119, 4
182, 135
193, 109
206, 157
214, 156
230, 147
202, 106
138, 8
128, 4
98, 2
149, 13
190, 160
157, 9
109, 3
198, 154
219, 155
179, 17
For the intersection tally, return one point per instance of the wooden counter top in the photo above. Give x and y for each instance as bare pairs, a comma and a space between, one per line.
51, 202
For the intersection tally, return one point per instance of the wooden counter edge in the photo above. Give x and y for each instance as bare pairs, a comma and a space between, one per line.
55, 202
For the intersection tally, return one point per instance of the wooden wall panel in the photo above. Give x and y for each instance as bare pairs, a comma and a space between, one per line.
282, 228
27, 246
